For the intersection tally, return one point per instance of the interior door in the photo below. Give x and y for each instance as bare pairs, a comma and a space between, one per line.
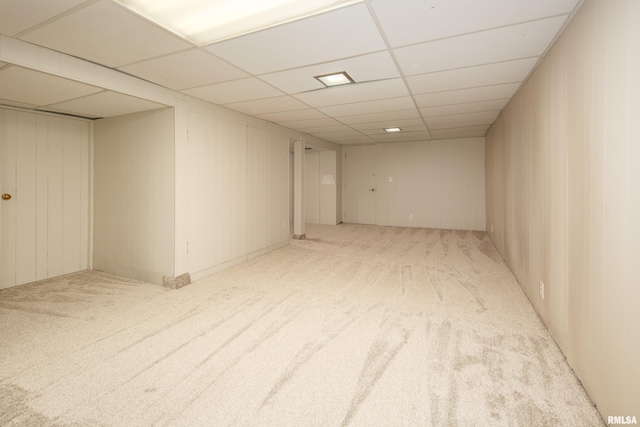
360, 180
44, 209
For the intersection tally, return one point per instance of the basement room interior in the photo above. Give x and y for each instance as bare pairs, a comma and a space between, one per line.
319, 213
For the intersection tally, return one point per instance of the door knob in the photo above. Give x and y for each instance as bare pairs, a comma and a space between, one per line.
6, 196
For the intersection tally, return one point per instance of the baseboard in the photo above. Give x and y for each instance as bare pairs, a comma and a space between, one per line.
233, 262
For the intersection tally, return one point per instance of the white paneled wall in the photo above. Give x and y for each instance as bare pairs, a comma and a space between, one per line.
432, 184
134, 195
312, 187
267, 189
45, 166
217, 177
328, 186
232, 186
320, 187
563, 197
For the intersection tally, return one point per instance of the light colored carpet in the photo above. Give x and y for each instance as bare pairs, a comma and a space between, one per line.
357, 325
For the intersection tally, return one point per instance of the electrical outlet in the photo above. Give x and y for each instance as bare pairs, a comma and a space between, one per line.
410, 216
541, 290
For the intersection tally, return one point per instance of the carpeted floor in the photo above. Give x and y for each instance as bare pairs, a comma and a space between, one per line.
357, 325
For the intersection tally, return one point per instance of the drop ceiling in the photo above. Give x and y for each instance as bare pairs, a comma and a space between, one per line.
435, 68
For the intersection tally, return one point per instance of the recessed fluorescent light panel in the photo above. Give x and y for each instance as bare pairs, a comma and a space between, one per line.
335, 79
208, 21
392, 130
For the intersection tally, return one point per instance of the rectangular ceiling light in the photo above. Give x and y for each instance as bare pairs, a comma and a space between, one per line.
335, 79
392, 130
208, 21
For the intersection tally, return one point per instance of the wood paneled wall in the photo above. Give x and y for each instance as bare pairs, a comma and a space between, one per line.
134, 195
563, 197
232, 178
440, 182
267, 189
320, 185
45, 166
312, 187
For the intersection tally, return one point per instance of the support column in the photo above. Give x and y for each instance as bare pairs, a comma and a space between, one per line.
298, 190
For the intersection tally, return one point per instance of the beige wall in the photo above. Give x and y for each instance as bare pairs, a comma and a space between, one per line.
312, 187
232, 187
134, 195
320, 187
440, 182
45, 165
563, 197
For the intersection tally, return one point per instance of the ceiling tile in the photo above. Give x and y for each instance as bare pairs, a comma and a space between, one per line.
482, 75
380, 116
461, 124
362, 139
378, 106
349, 133
461, 62
418, 21
471, 107
186, 69
105, 104
103, 32
403, 137
488, 116
375, 66
327, 129
304, 42
20, 15
311, 123
463, 132
289, 116
26, 86
484, 93
268, 105
234, 91
387, 123
351, 93
405, 130
502, 44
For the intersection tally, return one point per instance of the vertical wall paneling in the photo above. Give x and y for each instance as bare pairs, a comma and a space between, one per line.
25, 201
328, 194
72, 185
312, 187
632, 267
432, 184
55, 197
134, 181
563, 197
42, 195
298, 188
46, 167
217, 170
320, 187
233, 184
8, 154
290, 187
181, 196
267, 189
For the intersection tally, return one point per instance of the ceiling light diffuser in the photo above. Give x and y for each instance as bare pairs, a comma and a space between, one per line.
208, 21
335, 79
392, 130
